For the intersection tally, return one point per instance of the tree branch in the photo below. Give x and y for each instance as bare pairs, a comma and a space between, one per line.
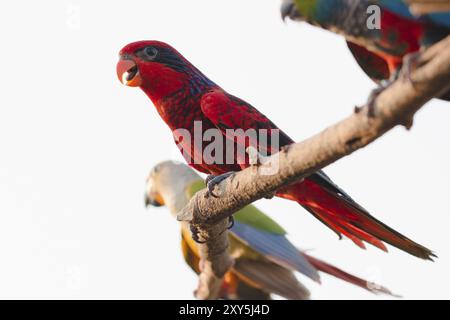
394, 106
215, 260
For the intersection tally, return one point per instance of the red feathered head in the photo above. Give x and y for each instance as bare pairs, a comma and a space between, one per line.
156, 67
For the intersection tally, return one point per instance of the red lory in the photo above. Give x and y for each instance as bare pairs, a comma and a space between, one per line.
378, 37
184, 97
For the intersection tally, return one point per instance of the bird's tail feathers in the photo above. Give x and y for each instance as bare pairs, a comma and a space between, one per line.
344, 216
271, 278
347, 277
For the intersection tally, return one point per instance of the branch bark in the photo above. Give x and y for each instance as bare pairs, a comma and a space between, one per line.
396, 105
215, 260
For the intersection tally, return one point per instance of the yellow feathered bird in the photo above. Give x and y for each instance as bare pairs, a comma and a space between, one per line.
265, 260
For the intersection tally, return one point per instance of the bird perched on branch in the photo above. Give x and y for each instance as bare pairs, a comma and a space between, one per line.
265, 260
380, 40
184, 97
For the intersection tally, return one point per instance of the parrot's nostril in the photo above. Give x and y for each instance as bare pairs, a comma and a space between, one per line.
131, 73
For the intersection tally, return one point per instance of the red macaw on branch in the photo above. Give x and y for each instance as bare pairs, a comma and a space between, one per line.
183, 95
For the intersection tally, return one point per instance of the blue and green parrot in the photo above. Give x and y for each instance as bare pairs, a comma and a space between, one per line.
378, 43
265, 260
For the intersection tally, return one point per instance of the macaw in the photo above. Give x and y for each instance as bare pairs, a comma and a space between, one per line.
184, 97
380, 52
265, 260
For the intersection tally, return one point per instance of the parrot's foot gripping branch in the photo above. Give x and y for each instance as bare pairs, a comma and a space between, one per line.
212, 181
411, 62
196, 234
372, 100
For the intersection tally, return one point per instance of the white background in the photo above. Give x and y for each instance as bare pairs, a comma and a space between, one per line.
76, 147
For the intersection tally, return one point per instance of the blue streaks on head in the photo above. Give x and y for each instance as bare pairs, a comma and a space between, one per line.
198, 81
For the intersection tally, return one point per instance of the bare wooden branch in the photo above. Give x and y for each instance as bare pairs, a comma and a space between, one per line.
394, 106
215, 260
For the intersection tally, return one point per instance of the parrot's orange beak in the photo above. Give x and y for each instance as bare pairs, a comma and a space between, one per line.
128, 73
154, 199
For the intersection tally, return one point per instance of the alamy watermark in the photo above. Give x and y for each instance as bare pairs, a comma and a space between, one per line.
374, 17
230, 146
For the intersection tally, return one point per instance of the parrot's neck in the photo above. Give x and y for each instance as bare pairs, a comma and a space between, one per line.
178, 196
180, 106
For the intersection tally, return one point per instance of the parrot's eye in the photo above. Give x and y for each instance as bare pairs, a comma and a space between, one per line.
150, 53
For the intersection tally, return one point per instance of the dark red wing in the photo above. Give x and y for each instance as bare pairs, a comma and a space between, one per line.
372, 64
228, 112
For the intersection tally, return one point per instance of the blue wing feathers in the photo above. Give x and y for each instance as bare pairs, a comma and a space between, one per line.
276, 248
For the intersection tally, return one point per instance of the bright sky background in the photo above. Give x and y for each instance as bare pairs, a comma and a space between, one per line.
76, 147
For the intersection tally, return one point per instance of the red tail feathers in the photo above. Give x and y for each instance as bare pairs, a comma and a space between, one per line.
340, 213
340, 274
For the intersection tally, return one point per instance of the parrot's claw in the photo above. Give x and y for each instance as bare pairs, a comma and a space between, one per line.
410, 63
212, 181
195, 235
372, 100
269, 196
231, 225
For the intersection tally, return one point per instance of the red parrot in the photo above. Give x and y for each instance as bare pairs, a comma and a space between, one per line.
183, 95
379, 51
